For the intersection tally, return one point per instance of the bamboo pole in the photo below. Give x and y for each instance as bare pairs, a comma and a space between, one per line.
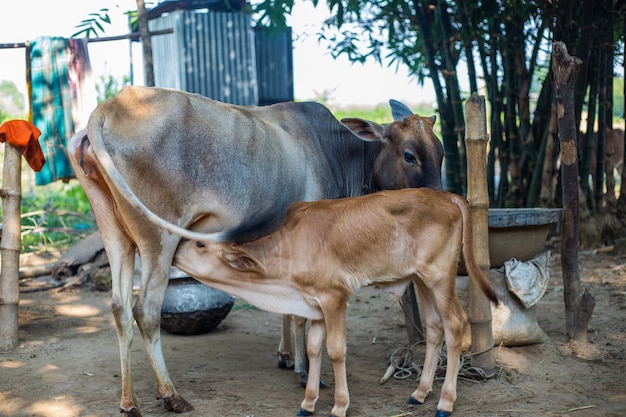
479, 310
10, 246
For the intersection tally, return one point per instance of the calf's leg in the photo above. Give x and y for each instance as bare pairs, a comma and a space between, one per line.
434, 342
336, 347
317, 333
453, 320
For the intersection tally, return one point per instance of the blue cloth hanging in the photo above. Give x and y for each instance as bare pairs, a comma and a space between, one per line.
51, 105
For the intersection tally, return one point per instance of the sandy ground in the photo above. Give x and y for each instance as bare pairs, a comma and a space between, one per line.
67, 363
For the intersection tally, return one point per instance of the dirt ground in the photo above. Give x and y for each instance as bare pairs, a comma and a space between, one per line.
67, 363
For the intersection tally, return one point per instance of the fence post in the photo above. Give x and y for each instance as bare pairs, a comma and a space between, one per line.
479, 310
10, 246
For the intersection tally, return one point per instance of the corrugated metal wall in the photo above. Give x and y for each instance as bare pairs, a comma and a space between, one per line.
274, 62
209, 53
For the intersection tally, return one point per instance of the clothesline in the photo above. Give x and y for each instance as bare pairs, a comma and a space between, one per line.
56, 71
131, 36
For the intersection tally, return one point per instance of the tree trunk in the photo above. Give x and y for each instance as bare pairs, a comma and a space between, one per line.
424, 18
588, 162
578, 307
10, 246
515, 194
479, 310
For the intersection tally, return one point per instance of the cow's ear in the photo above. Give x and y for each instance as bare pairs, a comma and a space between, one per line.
241, 261
364, 129
399, 110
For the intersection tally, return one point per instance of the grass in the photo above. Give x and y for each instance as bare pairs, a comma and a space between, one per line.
56, 216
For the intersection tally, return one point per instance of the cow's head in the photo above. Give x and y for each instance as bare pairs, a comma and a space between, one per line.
411, 154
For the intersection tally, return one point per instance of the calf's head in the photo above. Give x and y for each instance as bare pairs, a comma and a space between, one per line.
214, 261
411, 154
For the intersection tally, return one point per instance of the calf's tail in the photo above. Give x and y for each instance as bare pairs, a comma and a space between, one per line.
471, 265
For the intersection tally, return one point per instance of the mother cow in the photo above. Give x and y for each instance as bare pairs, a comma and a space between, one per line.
152, 157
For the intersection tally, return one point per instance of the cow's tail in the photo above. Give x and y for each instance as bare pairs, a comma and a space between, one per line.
102, 155
471, 265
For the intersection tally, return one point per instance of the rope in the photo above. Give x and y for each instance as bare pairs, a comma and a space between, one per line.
403, 366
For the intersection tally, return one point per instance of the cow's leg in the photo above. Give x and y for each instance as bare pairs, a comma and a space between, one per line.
285, 348
121, 256
434, 342
147, 312
292, 350
301, 365
317, 333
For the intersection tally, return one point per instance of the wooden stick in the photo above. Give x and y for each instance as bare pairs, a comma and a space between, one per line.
479, 310
579, 304
10, 247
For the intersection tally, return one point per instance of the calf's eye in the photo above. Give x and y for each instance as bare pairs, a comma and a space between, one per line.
409, 158
199, 244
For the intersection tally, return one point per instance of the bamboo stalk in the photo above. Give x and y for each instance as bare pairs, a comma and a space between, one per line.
479, 310
10, 246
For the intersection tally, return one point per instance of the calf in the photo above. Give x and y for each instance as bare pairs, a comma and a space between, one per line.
327, 250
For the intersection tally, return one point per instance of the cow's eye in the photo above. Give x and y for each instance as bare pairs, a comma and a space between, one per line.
409, 158
199, 244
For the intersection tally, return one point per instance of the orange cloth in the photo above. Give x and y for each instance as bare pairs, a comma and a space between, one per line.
24, 135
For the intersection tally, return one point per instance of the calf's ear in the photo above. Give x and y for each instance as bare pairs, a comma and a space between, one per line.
241, 261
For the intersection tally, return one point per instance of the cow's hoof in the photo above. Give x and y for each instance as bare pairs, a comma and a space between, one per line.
133, 412
284, 361
413, 401
303, 412
440, 413
177, 404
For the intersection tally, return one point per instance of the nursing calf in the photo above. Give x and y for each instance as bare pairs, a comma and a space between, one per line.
327, 250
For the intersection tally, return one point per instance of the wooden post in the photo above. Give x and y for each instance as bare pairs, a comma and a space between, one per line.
10, 246
479, 310
146, 42
578, 305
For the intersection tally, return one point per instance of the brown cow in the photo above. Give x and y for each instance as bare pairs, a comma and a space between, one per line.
155, 161
327, 250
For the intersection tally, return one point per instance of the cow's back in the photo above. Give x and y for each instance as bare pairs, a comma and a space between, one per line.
232, 167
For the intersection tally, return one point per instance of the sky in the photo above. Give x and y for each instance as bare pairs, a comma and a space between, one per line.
351, 84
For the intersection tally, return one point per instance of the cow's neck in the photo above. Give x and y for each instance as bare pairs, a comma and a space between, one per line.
359, 168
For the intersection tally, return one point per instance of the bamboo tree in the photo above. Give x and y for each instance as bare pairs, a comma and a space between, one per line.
424, 18
590, 138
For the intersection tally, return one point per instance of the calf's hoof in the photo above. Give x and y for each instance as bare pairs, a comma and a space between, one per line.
413, 401
440, 413
176, 404
303, 412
